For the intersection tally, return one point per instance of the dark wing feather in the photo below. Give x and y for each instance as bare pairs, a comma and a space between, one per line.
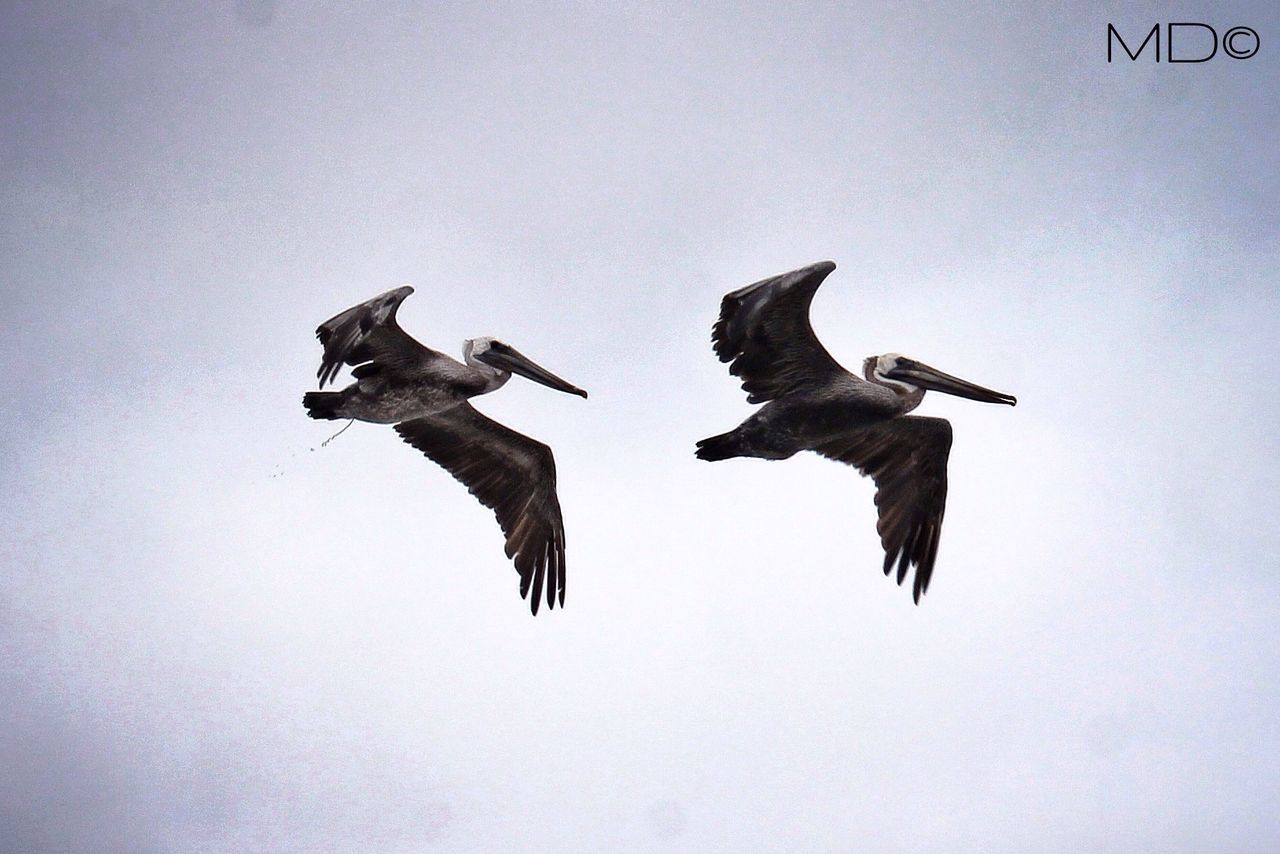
907, 458
511, 474
764, 331
368, 332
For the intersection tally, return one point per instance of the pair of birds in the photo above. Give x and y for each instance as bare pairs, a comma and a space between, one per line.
810, 403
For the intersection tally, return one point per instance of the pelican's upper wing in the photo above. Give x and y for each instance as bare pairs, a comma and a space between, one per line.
907, 458
513, 475
764, 330
368, 332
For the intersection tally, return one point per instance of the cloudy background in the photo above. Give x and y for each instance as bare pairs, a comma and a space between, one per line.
218, 635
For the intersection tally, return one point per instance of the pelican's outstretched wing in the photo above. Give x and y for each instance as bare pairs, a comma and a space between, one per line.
511, 474
368, 332
764, 330
907, 458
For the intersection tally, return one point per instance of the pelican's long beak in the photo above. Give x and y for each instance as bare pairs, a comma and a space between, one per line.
508, 358
918, 373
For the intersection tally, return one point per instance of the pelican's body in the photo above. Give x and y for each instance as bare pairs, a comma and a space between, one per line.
811, 403
425, 393
784, 427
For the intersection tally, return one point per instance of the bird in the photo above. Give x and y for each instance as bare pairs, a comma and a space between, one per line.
811, 403
425, 394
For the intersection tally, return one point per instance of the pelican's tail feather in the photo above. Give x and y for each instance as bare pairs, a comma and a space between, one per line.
323, 404
720, 447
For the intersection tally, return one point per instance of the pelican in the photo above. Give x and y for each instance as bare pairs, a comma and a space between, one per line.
811, 403
424, 393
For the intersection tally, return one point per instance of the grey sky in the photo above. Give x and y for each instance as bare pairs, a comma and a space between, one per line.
216, 635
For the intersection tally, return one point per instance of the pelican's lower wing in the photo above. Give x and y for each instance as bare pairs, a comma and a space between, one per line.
511, 474
907, 458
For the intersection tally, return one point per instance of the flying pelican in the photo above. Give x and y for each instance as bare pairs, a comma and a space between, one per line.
424, 393
813, 404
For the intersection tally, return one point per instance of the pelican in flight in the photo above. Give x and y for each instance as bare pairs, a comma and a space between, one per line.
813, 404
424, 393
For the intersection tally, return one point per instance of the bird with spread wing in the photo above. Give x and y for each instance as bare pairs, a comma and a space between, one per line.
425, 393
811, 403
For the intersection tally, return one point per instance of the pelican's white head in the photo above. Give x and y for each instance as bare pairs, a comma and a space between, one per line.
876, 369
475, 347
473, 352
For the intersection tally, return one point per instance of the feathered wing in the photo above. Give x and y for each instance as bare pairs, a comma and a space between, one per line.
907, 459
764, 331
511, 474
368, 333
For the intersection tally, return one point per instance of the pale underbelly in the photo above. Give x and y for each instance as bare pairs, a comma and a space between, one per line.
393, 404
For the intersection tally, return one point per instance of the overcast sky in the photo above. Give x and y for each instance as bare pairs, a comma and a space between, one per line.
218, 635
